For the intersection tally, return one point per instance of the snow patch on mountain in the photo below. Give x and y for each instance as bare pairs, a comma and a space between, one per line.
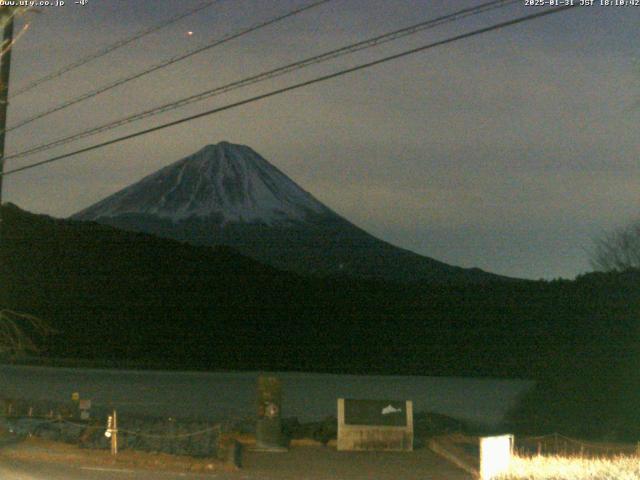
228, 182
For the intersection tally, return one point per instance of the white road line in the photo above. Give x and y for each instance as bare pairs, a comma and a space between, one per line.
115, 470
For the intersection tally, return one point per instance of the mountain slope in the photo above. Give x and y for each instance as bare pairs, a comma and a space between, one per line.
228, 194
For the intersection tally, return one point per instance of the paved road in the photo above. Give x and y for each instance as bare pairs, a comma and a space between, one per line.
22, 470
297, 464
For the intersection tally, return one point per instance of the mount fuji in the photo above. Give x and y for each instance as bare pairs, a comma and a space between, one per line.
228, 194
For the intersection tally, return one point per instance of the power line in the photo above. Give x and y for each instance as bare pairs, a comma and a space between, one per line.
9, 46
114, 46
297, 86
369, 43
164, 64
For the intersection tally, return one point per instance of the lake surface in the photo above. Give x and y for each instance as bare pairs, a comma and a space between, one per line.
217, 395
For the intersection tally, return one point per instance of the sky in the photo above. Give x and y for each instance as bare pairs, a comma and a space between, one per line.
508, 151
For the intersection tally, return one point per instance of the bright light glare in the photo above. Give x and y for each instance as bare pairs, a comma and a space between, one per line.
495, 456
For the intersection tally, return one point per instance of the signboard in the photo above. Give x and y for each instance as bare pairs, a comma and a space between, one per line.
84, 406
375, 424
495, 456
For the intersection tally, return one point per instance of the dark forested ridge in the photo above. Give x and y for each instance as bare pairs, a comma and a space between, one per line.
118, 295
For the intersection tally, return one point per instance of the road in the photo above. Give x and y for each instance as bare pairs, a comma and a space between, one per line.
297, 464
11, 469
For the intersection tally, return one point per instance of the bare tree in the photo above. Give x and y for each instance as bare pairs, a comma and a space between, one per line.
618, 250
17, 332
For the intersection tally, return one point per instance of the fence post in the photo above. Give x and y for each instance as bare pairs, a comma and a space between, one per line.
114, 434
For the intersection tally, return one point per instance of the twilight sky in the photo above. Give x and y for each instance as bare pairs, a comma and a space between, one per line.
509, 151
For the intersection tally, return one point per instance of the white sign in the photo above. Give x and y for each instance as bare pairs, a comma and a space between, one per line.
495, 456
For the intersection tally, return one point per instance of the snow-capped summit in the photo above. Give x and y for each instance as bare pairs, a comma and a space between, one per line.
228, 182
227, 194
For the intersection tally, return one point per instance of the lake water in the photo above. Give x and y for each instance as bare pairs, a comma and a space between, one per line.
216, 395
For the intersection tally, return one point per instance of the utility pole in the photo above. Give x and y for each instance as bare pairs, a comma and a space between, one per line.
6, 20
6, 23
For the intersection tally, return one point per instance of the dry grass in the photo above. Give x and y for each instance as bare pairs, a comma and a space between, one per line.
573, 468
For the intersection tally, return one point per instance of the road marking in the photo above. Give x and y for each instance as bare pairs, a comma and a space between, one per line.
100, 469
